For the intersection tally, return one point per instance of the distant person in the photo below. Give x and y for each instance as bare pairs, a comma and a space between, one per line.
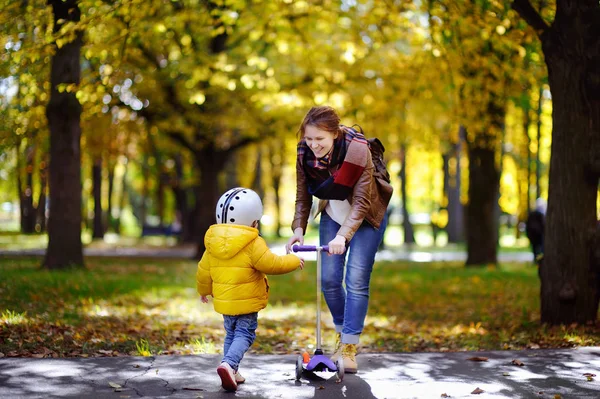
534, 229
233, 270
334, 163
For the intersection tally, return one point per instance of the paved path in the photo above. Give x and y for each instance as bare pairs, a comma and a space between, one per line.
544, 374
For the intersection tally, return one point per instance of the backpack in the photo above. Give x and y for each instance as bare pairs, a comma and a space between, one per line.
377, 149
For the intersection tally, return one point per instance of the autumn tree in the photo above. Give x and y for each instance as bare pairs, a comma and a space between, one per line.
479, 43
47, 75
65, 248
24, 68
570, 275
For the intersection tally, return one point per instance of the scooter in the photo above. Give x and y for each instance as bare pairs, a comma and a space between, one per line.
318, 362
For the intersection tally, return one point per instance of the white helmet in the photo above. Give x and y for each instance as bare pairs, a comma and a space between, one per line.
239, 206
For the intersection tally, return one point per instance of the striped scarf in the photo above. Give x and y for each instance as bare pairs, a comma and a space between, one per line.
351, 152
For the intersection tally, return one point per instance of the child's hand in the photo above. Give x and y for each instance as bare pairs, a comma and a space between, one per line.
204, 299
301, 264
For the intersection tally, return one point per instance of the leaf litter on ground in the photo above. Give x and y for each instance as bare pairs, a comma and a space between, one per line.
119, 307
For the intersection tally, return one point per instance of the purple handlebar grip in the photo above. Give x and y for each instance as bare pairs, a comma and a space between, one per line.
309, 248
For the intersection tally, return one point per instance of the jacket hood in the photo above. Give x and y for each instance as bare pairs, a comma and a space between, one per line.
224, 241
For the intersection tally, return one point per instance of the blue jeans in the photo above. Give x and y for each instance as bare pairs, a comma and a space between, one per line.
241, 332
348, 305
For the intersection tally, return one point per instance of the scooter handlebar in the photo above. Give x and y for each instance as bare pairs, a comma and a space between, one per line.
310, 248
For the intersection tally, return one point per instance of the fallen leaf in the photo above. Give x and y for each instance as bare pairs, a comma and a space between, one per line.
517, 362
445, 395
321, 387
477, 391
136, 366
589, 374
505, 374
478, 359
557, 396
114, 385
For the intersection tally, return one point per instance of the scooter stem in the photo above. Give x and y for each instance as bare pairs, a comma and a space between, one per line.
319, 250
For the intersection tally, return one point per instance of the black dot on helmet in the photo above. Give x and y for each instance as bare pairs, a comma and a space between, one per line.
231, 208
221, 205
218, 216
232, 220
244, 192
237, 197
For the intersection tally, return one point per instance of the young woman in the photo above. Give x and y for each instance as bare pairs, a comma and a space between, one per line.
334, 164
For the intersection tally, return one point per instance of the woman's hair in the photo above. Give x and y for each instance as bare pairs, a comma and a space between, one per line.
322, 117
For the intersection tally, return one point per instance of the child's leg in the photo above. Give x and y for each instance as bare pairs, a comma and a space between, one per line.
244, 335
229, 324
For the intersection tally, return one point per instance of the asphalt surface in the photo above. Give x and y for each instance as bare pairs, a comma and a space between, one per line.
543, 374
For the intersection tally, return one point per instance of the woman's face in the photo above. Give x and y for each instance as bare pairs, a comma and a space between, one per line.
319, 141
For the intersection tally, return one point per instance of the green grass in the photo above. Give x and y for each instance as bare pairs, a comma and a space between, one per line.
150, 307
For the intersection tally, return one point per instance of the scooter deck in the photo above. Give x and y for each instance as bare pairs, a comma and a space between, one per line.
320, 363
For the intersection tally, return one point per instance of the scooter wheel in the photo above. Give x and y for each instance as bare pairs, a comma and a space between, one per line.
299, 368
340, 369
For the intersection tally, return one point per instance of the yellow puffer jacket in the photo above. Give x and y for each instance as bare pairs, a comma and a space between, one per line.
233, 269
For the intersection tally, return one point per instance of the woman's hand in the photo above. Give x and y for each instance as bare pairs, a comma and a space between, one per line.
298, 237
337, 246
204, 299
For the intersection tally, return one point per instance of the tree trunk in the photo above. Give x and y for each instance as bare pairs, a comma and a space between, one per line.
19, 179
98, 228
409, 235
181, 202
122, 198
160, 197
525, 197
257, 181
209, 161
526, 123
63, 112
28, 212
41, 208
538, 160
483, 194
276, 155
110, 224
161, 181
452, 185
497, 209
569, 290
231, 175
143, 210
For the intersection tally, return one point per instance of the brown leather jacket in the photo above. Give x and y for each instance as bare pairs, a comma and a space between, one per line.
369, 200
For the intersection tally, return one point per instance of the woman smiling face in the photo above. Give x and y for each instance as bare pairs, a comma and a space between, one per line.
319, 141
